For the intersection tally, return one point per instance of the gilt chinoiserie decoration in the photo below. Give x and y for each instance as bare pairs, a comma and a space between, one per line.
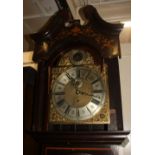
61, 32
77, 97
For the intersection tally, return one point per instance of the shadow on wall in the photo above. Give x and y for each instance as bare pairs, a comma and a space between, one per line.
28, 43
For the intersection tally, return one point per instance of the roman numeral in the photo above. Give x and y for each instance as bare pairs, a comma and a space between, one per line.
89, 110
61, 83
78, 73
94, 81
67, 110
77, 113
86, 76
59, 93
97, 91
60, 103
95, 101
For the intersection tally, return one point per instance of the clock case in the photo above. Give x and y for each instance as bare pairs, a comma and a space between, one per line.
101, 39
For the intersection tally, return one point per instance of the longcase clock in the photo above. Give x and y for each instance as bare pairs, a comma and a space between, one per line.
77, 107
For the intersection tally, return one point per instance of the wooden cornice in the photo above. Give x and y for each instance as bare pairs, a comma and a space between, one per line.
62, 33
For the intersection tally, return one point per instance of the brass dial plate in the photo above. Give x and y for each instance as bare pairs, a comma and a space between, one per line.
68, 105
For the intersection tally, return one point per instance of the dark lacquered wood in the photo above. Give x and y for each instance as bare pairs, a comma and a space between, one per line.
81, 139
62, 4
78, 151
29, 78
41, 98
99, 38
115, 90
90, 13
98, 35
30, 146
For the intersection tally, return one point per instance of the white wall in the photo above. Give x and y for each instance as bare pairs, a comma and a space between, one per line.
125, 77
27, 60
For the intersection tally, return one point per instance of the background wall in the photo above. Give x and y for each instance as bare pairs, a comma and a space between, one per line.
125, 77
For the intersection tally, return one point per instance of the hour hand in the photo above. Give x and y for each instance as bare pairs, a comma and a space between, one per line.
84, 93
70, 77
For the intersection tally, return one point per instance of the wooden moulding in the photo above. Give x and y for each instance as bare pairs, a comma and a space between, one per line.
61, 33
81, 139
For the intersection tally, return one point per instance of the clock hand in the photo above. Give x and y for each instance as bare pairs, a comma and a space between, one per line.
84, 93
71, 78
74, 81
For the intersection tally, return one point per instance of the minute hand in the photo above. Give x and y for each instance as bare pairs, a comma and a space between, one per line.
84, 93
71, 78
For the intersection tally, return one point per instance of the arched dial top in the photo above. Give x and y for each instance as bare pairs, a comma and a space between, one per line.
78, 93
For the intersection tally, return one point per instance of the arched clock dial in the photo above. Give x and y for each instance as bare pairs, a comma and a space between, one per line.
78, 93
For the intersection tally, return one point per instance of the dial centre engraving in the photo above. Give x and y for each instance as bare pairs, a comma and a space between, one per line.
78, 83
73, 95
